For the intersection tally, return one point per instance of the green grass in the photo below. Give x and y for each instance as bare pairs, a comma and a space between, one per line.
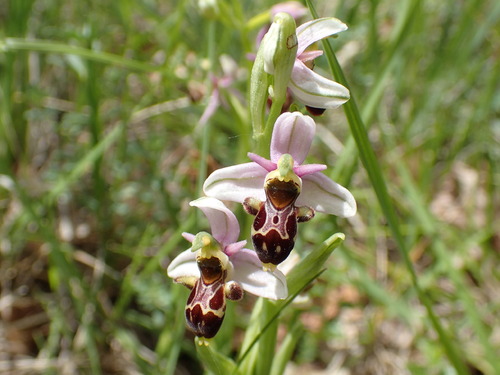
101, 150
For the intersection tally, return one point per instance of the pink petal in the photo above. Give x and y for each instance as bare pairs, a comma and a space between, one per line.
293, 134
233, 248
293, 8
312, 31
223, 223
309, 55
263, 162
303, 170
188, 236
325, 195
236, 183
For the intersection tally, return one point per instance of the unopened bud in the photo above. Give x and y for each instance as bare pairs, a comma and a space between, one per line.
279, 49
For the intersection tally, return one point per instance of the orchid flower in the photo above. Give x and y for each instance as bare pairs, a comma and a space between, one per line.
283, 183
293, 134
218, 267
230, 73
307, 86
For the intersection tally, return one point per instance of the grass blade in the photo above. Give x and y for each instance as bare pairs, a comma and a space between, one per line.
284, 354
85, 163
47, 46
377, 180
215, 362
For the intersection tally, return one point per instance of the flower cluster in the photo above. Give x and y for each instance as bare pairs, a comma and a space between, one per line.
280, 192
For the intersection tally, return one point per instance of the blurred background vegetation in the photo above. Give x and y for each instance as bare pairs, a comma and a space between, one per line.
101, 150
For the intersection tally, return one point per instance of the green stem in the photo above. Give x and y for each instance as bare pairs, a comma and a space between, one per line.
276, 311
264, 141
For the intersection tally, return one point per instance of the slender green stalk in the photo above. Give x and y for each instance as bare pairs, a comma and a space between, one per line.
248, 355
266, 346
93, 93
217, 363
169, 345
14, 78
84, 164
246, 349
285, 352
205, 139
265, 313
430, 228
347, 161
65, 278
205, 145
264, 143
19, 44
377, 180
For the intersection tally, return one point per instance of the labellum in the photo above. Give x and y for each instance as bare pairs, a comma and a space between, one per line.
206, 305
275, 225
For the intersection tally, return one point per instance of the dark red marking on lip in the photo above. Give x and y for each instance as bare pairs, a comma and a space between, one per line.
203, 324
218, 300
274, 232
206, 304
276, 248
275, 224
260, 219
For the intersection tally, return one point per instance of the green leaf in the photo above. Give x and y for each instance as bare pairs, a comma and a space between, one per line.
266, 313
214, 361
313, 263
85, 163
286, 349
47, 46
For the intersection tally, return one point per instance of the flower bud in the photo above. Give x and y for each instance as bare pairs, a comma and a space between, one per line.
279, 49
209, 8
275, 59
259, 84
